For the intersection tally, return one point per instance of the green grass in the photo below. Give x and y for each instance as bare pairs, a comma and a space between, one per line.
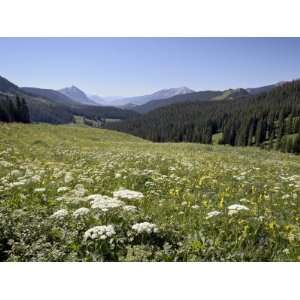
180, 183
217, 137
223, 96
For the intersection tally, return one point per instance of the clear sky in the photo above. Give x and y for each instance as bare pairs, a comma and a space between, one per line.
136, 66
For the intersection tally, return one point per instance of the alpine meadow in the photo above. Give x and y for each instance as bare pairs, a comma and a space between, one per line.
178, 175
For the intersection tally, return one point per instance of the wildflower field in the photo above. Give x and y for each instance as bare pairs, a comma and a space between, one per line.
71, 193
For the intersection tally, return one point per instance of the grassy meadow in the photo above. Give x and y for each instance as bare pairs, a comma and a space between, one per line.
74, 193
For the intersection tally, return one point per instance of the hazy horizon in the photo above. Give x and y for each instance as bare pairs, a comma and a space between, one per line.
135, 66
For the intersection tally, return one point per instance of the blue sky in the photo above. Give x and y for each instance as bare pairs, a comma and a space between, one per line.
136, 66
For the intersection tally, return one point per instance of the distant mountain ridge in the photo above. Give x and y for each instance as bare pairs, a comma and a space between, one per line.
161, 94
50, 106
191, 97
77, 95
270, 120
266, 88
49, 94
97, 99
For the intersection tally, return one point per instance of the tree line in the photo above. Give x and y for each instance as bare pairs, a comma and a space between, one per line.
13, 109
269, 120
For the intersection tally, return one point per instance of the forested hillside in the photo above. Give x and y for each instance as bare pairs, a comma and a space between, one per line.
50, 106
191, 97
13, 109
269, 120
52, 95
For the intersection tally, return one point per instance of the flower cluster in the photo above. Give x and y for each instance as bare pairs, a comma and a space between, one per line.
235, 208
82, 211
60, 214
99, 232
128, 194
104, 203
213, 213
145, 227
205, 202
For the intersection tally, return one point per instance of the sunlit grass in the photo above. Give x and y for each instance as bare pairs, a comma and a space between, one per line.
187, 191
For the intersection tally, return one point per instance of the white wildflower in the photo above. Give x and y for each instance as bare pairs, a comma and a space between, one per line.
39, 190
244, 200
18, 183
80, 191
68, 177
145, 227
82, 211
130, 208
233, 209
213, 213
36, 178
195, 206
104, 202
60, 214
62, 189
99, 232
286, 251
128, 194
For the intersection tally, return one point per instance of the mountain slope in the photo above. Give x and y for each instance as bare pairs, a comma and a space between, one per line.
77, 95
161, 94
267, 120
49, 94
197, 96
262, 89
13, 109
97, 99
266, 88
40, 110
8, 87
50, 106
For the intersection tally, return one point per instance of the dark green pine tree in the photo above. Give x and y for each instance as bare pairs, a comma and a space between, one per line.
283, 144
18, 113
297, 125
25, 111
4, 115
251, 132
289, 126
289, 145
296, 144
271, 139
259, 133
280, 125
12, 112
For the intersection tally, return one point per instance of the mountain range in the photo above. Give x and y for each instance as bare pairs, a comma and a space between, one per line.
161, 94
51, 106
73, 97
269, 119
190, 97
164, 97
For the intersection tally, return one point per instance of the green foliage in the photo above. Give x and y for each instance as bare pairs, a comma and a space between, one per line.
248, 120
49, 172
13, 109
